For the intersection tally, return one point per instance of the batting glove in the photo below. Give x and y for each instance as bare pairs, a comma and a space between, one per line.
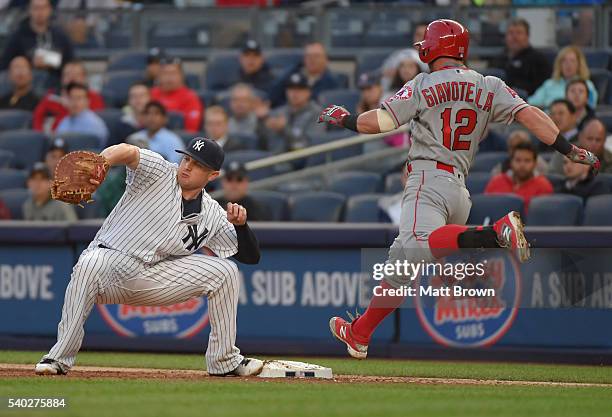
334, 115
582, 156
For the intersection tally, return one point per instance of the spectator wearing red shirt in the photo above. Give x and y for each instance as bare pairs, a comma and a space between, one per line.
53, 105
175, 96
521, 179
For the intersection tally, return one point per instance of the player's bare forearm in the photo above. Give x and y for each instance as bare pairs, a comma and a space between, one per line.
539, 124
122, 154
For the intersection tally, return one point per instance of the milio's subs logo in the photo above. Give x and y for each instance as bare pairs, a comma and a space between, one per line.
468, 321
182, 320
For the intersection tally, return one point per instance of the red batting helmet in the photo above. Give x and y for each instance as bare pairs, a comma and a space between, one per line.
444, 37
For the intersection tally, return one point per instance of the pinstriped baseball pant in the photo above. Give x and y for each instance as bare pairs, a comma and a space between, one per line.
106, 276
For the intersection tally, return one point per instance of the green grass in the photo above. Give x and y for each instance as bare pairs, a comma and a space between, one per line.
226, 397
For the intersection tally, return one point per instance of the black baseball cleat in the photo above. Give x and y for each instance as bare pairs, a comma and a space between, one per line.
248, 367
49, 366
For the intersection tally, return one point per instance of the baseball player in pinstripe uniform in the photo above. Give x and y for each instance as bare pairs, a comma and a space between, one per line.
448, 111
147, 253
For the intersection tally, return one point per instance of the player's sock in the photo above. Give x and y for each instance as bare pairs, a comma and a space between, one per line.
379, 308
447, 239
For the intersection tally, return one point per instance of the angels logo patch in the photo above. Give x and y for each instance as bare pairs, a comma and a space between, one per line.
404, 94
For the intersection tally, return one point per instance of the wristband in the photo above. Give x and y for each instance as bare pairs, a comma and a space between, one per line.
561, 145
350, 122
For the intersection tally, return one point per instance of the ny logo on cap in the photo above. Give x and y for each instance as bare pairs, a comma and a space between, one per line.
198, 145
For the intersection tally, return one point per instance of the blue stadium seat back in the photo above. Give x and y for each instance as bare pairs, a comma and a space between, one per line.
222, 71
112, 120
555, 210
493, 207
128, 61
495, 72
176, 120
173, 34
277, 204
284, 59
550, 54
485, 162
522, 93
347, 40
116, 87
7, 159
247, 141
329, 136
92, 210
363, 209
15, 119
606, 120
317, 206
186, 136
601, 79
605, 178
343, 97
597, 211
556, 180
342, 79
193, 81
352, 183
28, 146
298, 186
393, 183
369, 62
14, 199
80, 141
207, 97
5, 84
597, 59
118, 38
13, 178
476, 182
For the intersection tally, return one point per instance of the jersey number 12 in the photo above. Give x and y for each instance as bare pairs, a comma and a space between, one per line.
462, 128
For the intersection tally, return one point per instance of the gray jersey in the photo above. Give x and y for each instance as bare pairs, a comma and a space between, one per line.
449, 111
147, 221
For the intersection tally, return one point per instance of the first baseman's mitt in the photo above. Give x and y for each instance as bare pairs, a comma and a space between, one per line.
72, 174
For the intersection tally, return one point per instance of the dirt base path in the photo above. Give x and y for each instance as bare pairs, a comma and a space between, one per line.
96, 372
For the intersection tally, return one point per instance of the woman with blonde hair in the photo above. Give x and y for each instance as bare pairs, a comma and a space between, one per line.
570, 63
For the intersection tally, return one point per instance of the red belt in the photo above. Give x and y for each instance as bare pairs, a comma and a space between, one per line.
439, 165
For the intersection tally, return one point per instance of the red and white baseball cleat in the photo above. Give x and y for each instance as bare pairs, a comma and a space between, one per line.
341, 329
510, 235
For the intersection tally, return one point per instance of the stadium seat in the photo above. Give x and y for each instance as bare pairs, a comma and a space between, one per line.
336, 155
606, 120
80, 141
116, 86
597, 59
6, 158
193, 81
605, 178
347, 32
207, 97
298, 186
28, 146
601, 78
342, 79
556, 180
476, 182
598, 211
176, 120
555, 210
393, 183
369, 61
173, 34
187, 136
15, 119
222, 71
353, 183
485, 162
282, 60
251, 155
276, 203
14, 199
13, 178
318, 206
128, 61
491, 207
112, 120
364, 209
342, 97
247, 141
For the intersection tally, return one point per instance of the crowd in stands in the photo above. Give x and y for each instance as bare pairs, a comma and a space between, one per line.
274, 110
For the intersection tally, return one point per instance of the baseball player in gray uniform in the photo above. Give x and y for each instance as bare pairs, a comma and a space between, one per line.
147, 253
448, 111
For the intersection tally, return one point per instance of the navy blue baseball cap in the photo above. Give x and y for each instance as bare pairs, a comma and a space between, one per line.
206, 151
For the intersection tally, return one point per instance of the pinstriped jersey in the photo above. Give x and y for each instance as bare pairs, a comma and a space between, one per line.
448, 112
147, 221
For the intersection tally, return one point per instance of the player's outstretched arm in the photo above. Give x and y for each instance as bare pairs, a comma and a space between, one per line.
373, 121
538, 123
122, 154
